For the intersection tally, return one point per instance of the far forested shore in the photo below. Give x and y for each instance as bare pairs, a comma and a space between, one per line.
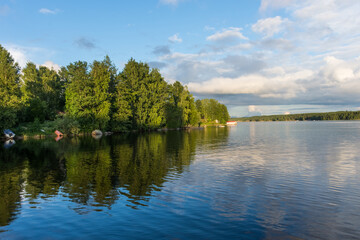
82, 97
327, 116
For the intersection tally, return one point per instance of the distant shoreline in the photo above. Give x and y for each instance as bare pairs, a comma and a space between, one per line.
327, 116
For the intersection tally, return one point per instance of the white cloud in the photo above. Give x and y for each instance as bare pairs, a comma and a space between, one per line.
228, 34
315, 60
283, 86
47, 11
175, 38
309, 55
23, 54
51, 65
270, 26
19, 54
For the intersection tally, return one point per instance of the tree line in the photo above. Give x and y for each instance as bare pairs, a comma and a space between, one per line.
342, 115
84, 97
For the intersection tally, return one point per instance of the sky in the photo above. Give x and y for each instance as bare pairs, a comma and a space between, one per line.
255, 56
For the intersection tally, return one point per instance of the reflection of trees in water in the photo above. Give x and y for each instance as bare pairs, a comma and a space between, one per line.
32, 168
11, 179
95, 172
132, 166
144, 162
89, 176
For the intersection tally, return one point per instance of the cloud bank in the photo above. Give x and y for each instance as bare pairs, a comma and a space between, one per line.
310, 55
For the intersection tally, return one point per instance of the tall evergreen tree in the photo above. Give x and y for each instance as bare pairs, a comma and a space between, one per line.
89, 94
103, 75
10, 95
141, 97
79, 94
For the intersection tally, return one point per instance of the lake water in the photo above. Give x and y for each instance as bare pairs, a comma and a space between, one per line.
265, 180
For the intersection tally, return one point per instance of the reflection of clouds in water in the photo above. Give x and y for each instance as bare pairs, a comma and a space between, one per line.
279, 173
344, 165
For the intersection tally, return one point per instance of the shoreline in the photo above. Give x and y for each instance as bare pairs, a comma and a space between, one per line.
44, 136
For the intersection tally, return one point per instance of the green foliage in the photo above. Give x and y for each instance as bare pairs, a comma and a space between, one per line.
66, 125
52, 91
63, 123
140, 98
181, 110
42, 94
79, 94
211, 110
95, 97
103, 76
10, 95
89, 94
173, 116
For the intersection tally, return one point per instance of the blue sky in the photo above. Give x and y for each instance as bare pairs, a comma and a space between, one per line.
255, 56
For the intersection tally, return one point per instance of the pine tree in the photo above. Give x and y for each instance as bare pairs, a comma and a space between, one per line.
79, 94
103, 76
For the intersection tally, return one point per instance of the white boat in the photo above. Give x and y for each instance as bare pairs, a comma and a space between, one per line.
9, 134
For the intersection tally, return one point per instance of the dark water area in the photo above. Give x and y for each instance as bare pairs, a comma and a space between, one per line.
265, 180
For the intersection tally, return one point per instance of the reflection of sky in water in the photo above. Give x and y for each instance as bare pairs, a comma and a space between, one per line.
297, 177
275, 180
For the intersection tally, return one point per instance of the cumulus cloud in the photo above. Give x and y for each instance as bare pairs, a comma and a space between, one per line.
285, 86
337, 82
175, 38
270, 26
48, 11
227, 35
85, 43
311, 56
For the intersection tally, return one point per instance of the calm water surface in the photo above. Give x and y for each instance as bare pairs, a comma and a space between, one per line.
266, 180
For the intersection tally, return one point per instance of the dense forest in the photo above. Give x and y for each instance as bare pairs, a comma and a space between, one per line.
343, 115
82, 97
